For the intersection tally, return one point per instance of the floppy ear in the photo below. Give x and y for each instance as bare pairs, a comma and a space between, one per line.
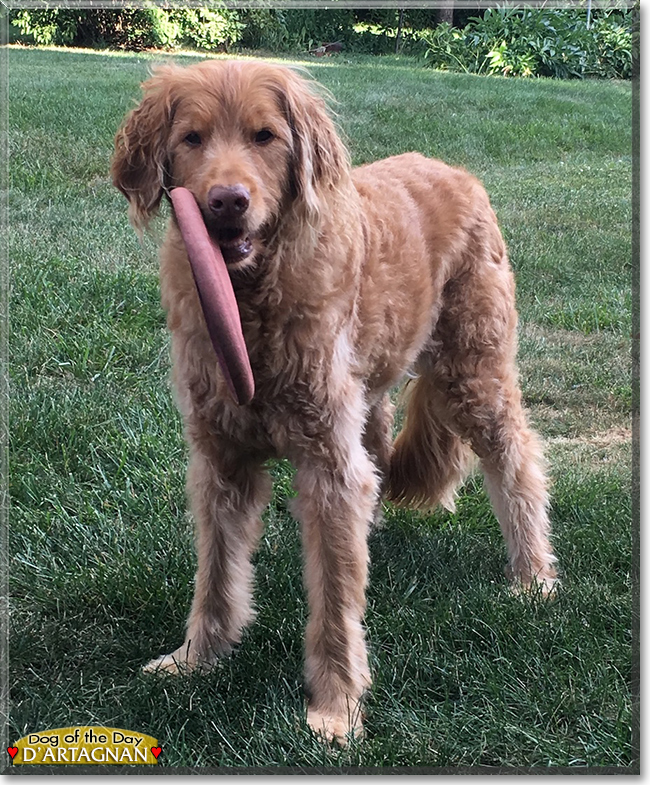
319, 157
139, 167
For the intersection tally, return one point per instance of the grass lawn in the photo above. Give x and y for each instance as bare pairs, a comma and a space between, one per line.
465, 674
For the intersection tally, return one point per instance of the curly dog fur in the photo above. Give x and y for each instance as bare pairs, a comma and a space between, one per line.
345, 278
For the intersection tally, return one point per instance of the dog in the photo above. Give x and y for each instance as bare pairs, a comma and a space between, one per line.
346, 280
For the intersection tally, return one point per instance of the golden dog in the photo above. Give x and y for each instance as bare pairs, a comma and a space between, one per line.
345, 279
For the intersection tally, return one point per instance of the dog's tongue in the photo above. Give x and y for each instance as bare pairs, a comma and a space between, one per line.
216, 295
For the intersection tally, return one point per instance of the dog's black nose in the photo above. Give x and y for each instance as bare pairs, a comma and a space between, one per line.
228, 201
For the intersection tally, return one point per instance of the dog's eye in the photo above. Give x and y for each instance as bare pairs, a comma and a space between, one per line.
193, 139
264, 136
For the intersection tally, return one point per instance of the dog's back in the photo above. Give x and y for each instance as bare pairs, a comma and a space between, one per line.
424, 223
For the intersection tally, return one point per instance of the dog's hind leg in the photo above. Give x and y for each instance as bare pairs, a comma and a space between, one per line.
337, 492
513, 468
490, 416
227, 492
472, 371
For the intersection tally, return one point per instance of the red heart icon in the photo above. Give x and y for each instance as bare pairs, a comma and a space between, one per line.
14, 750
156, 751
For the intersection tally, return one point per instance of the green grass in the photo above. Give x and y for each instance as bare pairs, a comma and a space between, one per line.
465, 674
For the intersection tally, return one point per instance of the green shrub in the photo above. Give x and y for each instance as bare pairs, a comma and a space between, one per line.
264, 28
51, 26
295, 29
207, 28
508, 41
613, 47
311, 27
535, 42
203, 28
449, 49
165, 29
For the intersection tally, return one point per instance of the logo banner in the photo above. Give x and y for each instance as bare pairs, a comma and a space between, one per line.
85, 745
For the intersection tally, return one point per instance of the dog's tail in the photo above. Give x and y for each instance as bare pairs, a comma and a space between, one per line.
429, 461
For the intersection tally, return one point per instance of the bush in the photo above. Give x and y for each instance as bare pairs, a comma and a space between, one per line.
508, 41
204, 28
376, 32
264, 28
280, 30
535, 42
613, 48
52, 26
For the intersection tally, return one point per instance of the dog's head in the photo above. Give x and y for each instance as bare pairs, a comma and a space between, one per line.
252, 141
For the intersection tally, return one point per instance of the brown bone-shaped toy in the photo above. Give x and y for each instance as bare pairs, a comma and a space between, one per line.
216, 295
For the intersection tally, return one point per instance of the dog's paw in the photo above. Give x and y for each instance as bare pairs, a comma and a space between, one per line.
178, 663
546, 588
331, 728
167, 665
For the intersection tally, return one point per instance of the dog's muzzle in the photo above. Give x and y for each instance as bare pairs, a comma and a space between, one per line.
228, 205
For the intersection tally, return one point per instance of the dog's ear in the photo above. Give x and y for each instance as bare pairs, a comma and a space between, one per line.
140, 164
319, 157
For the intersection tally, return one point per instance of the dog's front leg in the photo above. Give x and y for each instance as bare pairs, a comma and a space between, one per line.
227, 491
337, 492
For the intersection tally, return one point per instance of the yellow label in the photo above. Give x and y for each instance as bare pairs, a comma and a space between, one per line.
86, 745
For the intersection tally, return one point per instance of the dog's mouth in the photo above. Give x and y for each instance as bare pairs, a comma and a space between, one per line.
233, 241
